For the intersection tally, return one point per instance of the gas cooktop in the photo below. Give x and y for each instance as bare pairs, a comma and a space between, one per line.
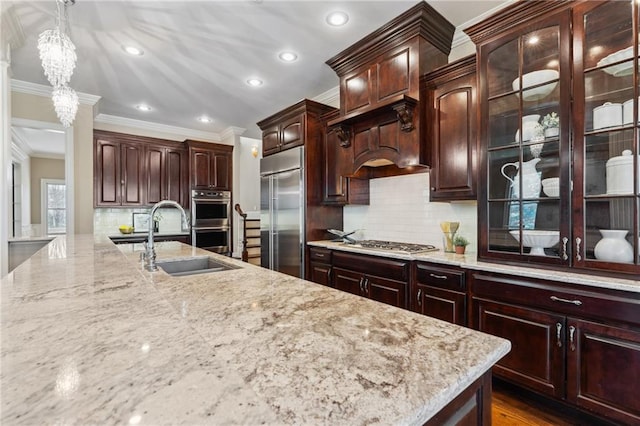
396, 246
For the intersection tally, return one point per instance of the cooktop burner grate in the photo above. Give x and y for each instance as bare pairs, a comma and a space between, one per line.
397, 247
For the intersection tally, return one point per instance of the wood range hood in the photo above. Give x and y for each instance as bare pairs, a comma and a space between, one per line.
381, 125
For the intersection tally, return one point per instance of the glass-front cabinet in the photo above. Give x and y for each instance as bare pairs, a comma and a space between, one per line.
559, 181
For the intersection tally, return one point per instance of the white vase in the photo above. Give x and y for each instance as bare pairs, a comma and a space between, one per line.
613, 247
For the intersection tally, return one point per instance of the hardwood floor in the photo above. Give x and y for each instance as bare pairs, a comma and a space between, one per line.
510, 406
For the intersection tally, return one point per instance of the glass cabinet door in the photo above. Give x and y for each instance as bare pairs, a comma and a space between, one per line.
525, 143
606, 177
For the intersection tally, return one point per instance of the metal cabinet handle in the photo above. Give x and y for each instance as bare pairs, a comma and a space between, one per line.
578, 241
318, 255
559, 299
440, 277
558, 331
565, 256
366, 285
360, 284
572, 345
419, 297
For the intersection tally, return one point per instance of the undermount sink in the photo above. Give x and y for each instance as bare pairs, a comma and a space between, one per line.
192, 266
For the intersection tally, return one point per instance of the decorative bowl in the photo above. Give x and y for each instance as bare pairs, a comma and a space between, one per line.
533, 79
538, 240
125, 229
551, 186
608, 114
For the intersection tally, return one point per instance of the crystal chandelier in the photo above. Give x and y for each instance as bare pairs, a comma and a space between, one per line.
57, 52
65, 101
58, 57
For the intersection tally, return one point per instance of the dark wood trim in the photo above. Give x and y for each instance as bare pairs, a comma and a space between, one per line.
471, 407
209, 145
124, 137
399, 101
519, 13
451, 71
304, 106
421, 20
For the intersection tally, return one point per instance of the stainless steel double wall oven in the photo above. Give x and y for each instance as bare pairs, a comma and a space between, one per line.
211, 220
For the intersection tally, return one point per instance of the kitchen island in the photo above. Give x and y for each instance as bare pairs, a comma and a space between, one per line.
90, 337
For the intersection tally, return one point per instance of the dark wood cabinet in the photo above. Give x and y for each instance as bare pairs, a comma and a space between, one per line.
580, 345
440, 292
338, 188
131, 171
210, 165
380, 279
603, 373
548, 72
118, 170
166, 175
287, 133
451, 115
320, 266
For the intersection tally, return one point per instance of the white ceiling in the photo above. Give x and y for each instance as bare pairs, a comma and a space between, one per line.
199, 54
47, 143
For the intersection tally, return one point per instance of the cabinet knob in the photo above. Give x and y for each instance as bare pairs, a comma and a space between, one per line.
433, 188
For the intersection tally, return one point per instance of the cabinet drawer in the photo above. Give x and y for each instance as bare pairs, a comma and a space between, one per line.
437, 276
388, 268
320, 255
587, 302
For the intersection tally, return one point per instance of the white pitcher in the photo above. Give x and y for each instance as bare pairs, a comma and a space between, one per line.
531, 179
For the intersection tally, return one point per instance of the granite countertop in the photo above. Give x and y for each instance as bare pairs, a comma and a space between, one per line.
45, 238
121, 236
90, 337
470, 261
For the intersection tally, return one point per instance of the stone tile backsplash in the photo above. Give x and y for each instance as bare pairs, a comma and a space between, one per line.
107, 221
400, 210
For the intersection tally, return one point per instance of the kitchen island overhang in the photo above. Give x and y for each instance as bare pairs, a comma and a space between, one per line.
88, 336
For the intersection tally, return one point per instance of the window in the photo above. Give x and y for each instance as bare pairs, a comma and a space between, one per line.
54, 207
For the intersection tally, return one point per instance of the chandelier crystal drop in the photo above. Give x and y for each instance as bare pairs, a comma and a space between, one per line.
65, 101
57, 51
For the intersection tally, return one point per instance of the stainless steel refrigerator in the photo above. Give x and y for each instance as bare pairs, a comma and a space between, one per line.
282, 211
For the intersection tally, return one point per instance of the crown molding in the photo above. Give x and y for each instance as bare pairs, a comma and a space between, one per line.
164, 128
330, 97
460, 38
231, 132
44, 90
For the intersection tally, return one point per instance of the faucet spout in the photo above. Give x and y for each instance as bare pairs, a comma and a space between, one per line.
150, 252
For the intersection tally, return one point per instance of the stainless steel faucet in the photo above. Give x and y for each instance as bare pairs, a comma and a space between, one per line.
150, 252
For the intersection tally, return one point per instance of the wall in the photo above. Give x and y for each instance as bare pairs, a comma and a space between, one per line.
400, 210
39, 108
42, 168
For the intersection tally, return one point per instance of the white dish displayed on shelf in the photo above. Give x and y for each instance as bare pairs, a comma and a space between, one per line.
620, 70
627, 111
534, 78
551, 186
537, 239
619, 170
606, 115
530, 128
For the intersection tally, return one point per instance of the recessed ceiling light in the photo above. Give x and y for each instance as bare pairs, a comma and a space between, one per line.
254, 82
287, 56
143, 107
132, 50
205, 119
337, 19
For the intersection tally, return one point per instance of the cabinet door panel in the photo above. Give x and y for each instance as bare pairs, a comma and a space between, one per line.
292, 132
442, 304
393, 74
355, 90
201, 173
155, 177
176, 176
536, 359
107, 173
386, 291
222, 171
271, 140
348, 281
604, 370
132, 175
320, 273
